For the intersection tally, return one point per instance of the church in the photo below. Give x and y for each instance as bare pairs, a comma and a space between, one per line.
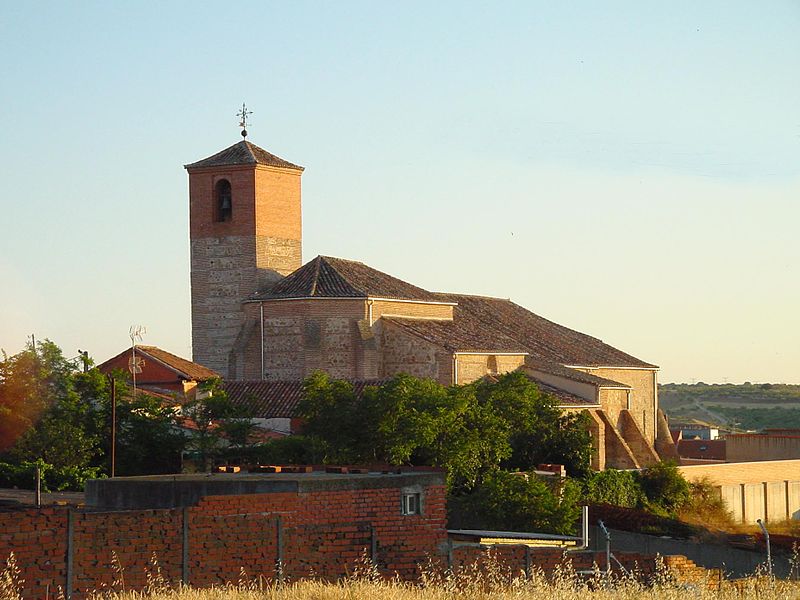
260, 314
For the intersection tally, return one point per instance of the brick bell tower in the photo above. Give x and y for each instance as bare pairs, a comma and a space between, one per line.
245, 232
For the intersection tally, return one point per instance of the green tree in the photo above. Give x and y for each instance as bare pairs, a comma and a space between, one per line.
208, 413
620, 488
517, 502
664, 487
470, 430
148, 438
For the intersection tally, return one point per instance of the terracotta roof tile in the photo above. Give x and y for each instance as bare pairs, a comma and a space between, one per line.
329, 277
243, 153
480, 323
275, 399
571, 374
183, 368
563, 396
191, 370
541, 338
462, 334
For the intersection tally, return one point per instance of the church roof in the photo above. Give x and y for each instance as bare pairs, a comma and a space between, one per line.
279, 399
276, 399
480, 323
329, 277
533, 365
243, 153
492, 325
544, 340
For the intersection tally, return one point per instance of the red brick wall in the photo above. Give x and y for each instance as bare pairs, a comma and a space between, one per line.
321, 533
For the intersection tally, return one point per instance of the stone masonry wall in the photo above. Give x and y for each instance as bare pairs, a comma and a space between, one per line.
401, 352
301, 336
643, 395
474, 366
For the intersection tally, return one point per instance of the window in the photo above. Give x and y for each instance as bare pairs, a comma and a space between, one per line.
223, 202
410, 504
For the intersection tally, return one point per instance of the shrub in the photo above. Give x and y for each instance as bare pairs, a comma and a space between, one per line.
620, 488
664, 487
69, 478
517, 502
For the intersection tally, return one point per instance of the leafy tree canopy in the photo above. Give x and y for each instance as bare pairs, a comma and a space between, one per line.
470, 430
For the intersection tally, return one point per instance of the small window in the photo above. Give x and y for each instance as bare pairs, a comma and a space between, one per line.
223, 201
411, 504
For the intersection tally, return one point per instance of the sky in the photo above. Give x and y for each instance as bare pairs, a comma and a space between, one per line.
628, 169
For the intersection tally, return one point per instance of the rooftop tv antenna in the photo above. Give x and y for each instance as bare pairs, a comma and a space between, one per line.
243, 114
135, 364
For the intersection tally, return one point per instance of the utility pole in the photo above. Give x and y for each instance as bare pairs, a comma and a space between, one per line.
113, 383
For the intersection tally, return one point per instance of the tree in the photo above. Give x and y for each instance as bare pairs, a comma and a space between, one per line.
208, 413
665, 487
55, 414
470, 430
517, 502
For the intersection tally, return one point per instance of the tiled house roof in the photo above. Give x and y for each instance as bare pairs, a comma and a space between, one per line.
279, 399
571, 374
184, 369
541, 338
462, 334
328, 277
243, 153
275, 399
480, 323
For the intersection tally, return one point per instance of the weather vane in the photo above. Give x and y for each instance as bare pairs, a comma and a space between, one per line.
243, 114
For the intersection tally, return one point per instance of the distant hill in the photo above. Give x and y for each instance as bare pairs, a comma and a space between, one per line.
745, 407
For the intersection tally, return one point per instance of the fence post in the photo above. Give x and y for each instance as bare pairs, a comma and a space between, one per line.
185, 547
70, 553
527, 561
279, 561
373, 547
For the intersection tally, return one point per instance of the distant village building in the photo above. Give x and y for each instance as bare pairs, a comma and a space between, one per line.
259, 314
158, 371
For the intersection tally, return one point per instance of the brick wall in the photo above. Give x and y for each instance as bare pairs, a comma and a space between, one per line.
514, 560
301, 336
323, 533
411, 309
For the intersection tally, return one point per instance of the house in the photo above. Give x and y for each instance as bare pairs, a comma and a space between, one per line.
259, 315
158, 371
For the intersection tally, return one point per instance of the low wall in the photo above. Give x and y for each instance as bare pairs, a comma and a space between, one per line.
766, 490
292, 534
733, 561
743, 447
516, 560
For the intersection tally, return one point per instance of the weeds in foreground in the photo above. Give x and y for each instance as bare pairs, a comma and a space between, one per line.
487, 580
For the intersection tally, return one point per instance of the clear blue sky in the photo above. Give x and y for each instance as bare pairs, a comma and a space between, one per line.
628, 169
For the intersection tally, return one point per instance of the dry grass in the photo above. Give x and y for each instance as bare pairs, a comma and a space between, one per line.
487, 582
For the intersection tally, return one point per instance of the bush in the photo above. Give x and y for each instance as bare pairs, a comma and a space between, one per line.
705, 506
289, 450
23, 476
620, 488
664, 487
517, 502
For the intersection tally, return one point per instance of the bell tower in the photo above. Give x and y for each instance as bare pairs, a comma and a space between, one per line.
245, 232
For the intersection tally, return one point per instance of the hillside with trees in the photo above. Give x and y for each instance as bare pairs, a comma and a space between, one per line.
743, 407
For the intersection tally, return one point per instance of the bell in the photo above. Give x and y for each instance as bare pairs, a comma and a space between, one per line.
226, 203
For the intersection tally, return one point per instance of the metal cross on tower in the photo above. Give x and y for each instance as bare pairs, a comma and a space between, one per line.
243, 114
